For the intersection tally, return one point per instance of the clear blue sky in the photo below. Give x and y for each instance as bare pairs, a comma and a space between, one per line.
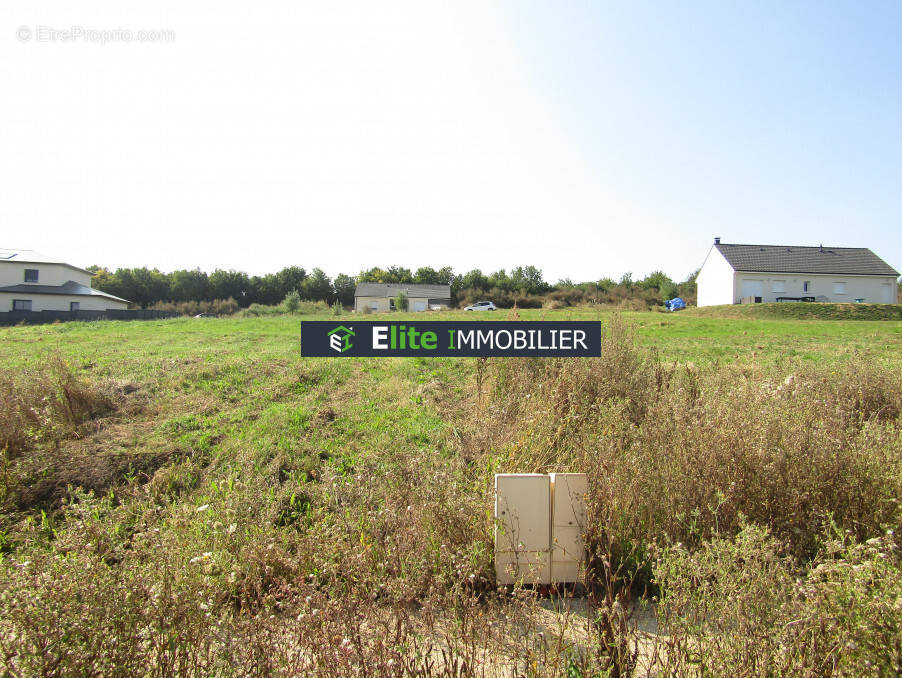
587, 138
770, 122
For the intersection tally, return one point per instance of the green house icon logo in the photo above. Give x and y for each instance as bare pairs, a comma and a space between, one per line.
340, 338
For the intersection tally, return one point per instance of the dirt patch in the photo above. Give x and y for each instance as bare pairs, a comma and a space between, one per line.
48, 484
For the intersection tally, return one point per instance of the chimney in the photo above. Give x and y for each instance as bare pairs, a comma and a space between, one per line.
716, 241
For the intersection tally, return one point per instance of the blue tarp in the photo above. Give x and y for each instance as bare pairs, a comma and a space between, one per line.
675, 304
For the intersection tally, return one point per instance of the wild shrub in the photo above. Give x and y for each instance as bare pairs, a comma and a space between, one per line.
401, 301
741, 606
292, 301
192, 308
45, 404
303, 307
501, 298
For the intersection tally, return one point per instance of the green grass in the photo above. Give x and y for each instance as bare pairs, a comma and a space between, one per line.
232, 466
217, 352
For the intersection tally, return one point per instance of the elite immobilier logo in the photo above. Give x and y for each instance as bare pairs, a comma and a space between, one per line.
340, 338
320, 338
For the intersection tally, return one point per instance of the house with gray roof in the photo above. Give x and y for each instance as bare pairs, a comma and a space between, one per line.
380, 297
30, 281
734, 273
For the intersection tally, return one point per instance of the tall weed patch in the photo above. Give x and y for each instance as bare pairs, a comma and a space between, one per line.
45, 404
740, 606
680, 454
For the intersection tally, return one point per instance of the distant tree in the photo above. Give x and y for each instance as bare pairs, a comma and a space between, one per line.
660, 282
401, 301
99, 277
317, 286
474, 280
528, 278
190, 286
426, 276
290, 279
344, 287
394, 274
445, 276
265, 290
654, 281
500, 280
226, 284
154, 284
373, 275
141, 286
399, 274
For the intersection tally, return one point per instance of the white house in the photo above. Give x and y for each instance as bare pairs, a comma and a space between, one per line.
30, 281
761, 273
380, 297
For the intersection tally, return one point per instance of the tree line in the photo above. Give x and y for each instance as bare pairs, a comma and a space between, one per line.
524, 285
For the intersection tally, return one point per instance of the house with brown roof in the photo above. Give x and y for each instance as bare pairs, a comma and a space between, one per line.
734, 273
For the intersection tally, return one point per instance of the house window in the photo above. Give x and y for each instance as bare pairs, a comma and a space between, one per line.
839, 288
21, 304
779, 286
31, 275
391, 304
806, 286
74, 306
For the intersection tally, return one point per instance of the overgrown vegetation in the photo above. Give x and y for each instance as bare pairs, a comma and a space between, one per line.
282, 516
216, 307
45, 405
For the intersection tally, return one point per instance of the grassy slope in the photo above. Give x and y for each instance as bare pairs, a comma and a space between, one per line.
235, 395
231, 416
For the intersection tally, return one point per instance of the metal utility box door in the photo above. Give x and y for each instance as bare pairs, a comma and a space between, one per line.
568, 523
539, 525
522, 527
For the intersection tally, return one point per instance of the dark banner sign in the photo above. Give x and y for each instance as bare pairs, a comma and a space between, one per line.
373, 339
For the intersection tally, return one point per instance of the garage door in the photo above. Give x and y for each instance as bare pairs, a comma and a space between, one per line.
888, 293
418, 306
752, 288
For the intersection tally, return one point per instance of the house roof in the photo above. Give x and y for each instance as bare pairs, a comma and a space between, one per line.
17, 256
791, 259
69, 288
412, 290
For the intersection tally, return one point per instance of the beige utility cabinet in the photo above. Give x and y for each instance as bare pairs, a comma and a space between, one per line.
522, 527
539, 523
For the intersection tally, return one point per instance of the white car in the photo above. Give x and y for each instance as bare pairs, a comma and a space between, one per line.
481, 306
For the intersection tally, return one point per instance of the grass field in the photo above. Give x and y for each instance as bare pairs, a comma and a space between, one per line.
695, 336
192, 497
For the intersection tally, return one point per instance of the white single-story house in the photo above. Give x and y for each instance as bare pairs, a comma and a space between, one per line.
30, 281
735, 274
379, 297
